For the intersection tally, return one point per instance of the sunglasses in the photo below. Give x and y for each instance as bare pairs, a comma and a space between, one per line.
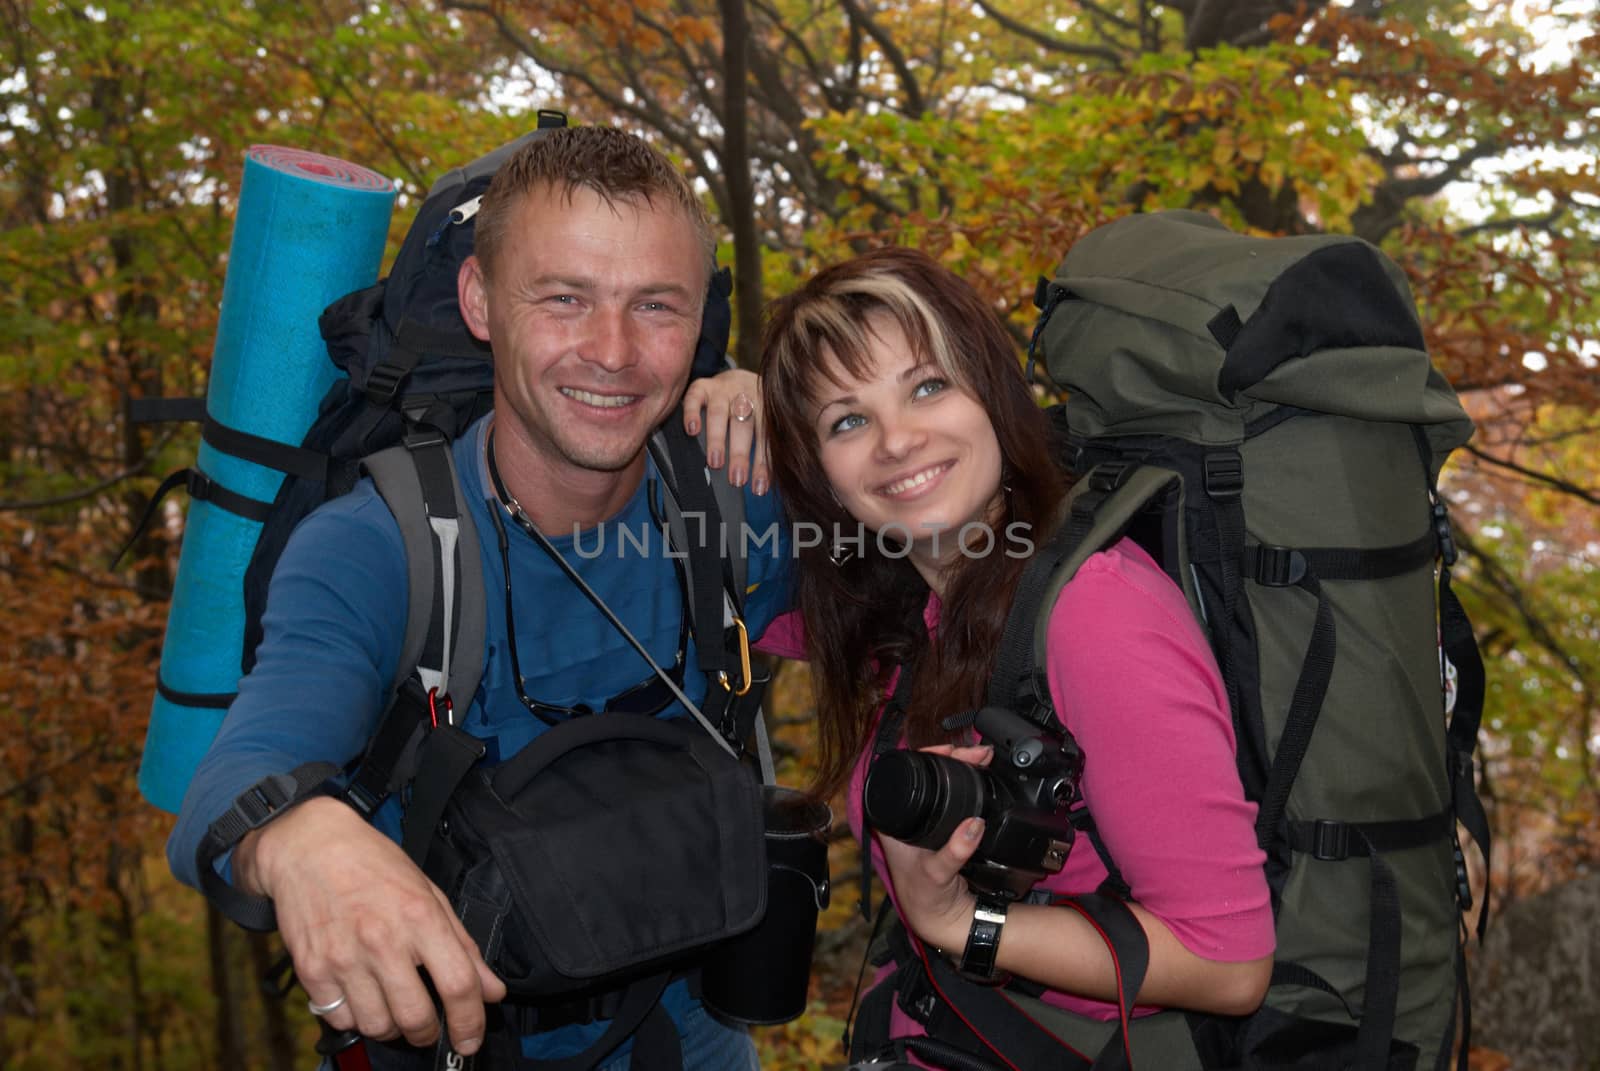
649, 697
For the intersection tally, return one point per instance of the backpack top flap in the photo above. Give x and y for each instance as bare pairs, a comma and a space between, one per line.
1170, 324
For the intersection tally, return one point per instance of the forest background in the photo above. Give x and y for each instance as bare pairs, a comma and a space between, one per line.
1458, 135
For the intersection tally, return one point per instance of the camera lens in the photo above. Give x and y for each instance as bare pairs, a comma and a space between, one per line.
921, 798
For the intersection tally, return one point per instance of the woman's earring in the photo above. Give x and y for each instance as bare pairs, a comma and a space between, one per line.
840, 554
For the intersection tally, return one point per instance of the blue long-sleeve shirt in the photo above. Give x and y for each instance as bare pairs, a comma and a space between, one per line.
335, 622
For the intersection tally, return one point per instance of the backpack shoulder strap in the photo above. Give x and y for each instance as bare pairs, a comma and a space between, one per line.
443, 650
1097, 512
444, 640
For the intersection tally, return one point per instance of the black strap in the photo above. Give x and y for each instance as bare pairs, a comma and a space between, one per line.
293, 460
166, 410
886, 739
1332, 840
204, 489
1304, 709
1017, 1039
254, 808
1277, 566
390, 758
207, 700
1381, 995
446, 755
703, 554
1223, 478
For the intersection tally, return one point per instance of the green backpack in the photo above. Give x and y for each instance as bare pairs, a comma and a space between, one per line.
1261, 416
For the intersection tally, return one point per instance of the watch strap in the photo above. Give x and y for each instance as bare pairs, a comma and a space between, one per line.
983, 940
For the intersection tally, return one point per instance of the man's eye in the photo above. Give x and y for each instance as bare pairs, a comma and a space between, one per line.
932, 385
846, 423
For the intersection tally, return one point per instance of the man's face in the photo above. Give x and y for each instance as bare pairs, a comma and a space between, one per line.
593, 312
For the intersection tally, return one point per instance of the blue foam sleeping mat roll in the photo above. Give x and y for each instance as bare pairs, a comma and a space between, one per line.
309, 229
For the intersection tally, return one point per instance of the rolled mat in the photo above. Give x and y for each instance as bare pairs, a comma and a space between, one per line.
309, 229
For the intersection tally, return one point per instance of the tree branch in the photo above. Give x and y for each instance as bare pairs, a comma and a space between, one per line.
1581, 493
1543, 222
914, 105
1047, 42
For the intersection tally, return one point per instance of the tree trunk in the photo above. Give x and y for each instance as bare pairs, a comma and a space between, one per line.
747, 300
229, 1052
280, 1039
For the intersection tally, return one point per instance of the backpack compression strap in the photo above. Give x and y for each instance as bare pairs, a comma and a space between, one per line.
254, 808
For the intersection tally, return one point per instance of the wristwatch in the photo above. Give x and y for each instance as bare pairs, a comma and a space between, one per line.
983, 940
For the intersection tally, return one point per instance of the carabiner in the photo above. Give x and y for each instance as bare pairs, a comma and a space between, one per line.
744, 661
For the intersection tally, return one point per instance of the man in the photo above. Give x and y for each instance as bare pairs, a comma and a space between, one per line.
592, 261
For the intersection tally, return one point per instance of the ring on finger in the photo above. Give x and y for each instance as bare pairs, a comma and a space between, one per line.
323, 1009
743, 407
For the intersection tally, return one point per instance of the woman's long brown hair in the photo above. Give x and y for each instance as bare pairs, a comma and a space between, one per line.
864, 618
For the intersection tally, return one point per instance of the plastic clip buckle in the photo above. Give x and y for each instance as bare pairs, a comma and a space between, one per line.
1109, 475
1224, 475
1441, 532
258, 803
1278, 567
1330, 841
383, 382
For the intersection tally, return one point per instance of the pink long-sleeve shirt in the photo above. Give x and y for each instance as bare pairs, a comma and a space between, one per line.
1134, 681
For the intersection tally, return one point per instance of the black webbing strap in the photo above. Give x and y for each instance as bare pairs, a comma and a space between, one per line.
293, 460
254, 808
1382, 993
201, 488
208, 700
887, 738
1332, 840
1461, 738
1304, 709
166, 410
390, 758
446, 754
703, 553
867, 1021
1019, 1040
1223, 473
434, 464
1277, 566
640, 1016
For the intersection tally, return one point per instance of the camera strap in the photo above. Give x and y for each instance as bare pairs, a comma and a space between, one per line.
887, 738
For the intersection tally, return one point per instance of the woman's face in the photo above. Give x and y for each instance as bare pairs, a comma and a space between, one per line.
908, 452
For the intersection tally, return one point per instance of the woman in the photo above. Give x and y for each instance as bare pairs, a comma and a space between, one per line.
894, 400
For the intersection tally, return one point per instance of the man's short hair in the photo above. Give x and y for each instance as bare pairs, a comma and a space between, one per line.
613, 163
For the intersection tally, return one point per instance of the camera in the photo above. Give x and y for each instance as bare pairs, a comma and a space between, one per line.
1022, 797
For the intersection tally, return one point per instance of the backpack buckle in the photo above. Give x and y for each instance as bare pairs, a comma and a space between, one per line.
264, 799
1330, 841
1224, 475
383, 383
1109, 475
1441, 532
1276, 567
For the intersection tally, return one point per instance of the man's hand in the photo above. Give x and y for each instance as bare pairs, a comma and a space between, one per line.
732, 404
359, 918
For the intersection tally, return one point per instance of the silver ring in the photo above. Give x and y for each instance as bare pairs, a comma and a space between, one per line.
323, 1009
743, 407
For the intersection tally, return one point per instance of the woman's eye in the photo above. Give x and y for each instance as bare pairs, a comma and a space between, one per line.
929, 386
845, 423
